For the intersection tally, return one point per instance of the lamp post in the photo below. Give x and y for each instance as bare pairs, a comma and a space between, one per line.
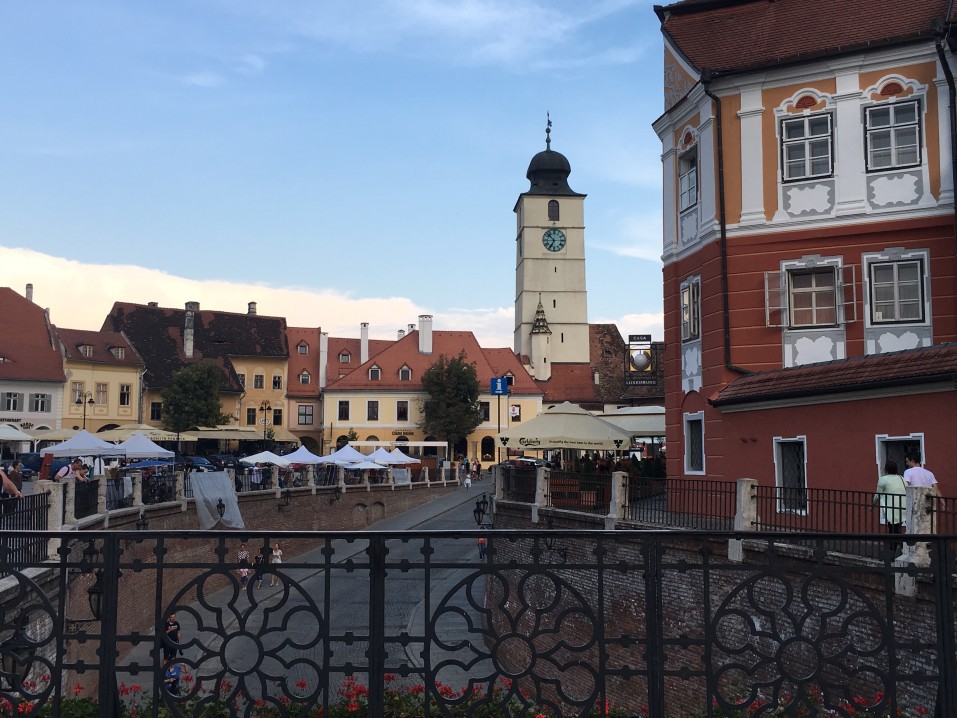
83, 398
265, 409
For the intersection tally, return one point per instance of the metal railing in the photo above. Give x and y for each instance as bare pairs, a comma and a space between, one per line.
556, 622
87, 497
588, 493
518, 484
688, 503
18, 517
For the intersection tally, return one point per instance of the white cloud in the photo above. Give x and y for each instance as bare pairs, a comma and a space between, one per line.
203, 79
251, 64
642, 237
80, 295
652, 323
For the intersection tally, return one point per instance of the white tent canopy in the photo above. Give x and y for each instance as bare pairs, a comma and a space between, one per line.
139, 446
364, 466
565, 426
83, 443
266, 457
302, 455
640, 421
12, 433
401, 458
346, 454
383, 456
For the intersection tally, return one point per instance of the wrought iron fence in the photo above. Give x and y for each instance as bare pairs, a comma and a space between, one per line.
87, 496
160, 489
562, 623
518, 484
18, 517
686, 503
588, 493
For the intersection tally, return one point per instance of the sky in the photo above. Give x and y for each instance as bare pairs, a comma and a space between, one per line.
335, 161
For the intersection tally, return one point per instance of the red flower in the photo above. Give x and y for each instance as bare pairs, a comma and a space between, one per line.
353, 706
390, 677
78, 689
301, 684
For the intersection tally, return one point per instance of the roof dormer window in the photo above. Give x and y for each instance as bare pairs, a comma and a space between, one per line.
86, 350
375, 373
118, 352
304, 378
303, 348
344, 357
405, 374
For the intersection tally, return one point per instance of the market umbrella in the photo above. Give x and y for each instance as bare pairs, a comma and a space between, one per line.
12, 433
139, 447
125, 431
83, 443
565, 426
266, 457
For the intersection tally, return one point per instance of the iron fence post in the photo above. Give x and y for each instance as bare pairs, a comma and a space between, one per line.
654, 630
946, 663
377, 651
108, 696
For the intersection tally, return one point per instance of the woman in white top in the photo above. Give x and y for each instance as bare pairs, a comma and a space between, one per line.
277, 559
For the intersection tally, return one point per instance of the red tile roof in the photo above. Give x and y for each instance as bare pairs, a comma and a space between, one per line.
298, 363
404, 352
28, 347
896, 369
734, 35
102, 344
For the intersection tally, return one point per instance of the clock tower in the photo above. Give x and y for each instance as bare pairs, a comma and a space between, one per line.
550, 266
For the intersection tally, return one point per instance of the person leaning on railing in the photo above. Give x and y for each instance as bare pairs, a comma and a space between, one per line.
10, 490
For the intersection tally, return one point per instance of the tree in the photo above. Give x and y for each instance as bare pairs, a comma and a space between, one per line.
192, 399
451, 411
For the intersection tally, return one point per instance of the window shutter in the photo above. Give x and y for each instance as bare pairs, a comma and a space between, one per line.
775, 299
847, 293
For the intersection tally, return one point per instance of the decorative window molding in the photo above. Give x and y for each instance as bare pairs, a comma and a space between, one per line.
305, 378
688, 179
375, 373
811, 292
891, 87
302, 348
896, 287
345, 357
892, 135
553, 210
405, 374
790, 474
694, 455
306, 413
86, 350
690, 293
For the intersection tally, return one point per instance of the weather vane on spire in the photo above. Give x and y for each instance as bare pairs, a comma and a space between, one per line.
548, 131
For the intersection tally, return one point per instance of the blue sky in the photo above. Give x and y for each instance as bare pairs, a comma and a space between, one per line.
336, 161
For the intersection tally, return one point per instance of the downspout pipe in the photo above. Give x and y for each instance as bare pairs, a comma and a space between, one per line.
706, 77
943, 35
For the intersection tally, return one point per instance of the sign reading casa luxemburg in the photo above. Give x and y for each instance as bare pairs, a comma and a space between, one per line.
640, 369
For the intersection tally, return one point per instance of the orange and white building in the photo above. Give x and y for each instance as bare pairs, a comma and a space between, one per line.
809, 239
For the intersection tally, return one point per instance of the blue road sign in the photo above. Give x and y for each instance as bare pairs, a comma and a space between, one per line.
499, 386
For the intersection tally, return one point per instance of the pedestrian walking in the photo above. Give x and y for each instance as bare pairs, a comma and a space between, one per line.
468, 482
258, 564
482, 547
171, 638
891, 497
243, 557
276, 558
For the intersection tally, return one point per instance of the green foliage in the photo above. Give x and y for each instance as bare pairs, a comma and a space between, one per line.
451, 411
193, 398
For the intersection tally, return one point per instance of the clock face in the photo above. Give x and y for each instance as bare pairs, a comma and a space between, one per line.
554, 240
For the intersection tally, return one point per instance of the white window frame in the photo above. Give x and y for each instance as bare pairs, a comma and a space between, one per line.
303, 349
893, 130
305, 378
40, 403
102, 393
405, 374
126, 394
778, 473
375, 373
345, 357
688, 179
778, 309
690, 296
277, 381
808, 141
86, 350
872, 263
687, 420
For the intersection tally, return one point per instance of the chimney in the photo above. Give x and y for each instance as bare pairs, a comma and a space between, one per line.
425, 334
153, 304
29, 292
363, 342
323, 357
411, 328
188, 328
401, 333
251, 308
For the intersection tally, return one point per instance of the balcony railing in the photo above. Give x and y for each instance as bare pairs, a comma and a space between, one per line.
561, 623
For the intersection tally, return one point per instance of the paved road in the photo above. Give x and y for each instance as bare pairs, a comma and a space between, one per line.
345, 603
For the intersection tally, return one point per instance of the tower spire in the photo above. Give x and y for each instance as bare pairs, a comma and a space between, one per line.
548, 131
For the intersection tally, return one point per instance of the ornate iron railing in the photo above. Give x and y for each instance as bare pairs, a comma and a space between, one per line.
554, 622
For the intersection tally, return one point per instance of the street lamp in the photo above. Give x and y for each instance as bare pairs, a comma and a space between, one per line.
82, 399
265, 409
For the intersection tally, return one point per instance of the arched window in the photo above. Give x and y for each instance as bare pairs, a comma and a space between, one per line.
553, 210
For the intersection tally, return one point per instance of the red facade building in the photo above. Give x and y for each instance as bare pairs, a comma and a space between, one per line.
809, 239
